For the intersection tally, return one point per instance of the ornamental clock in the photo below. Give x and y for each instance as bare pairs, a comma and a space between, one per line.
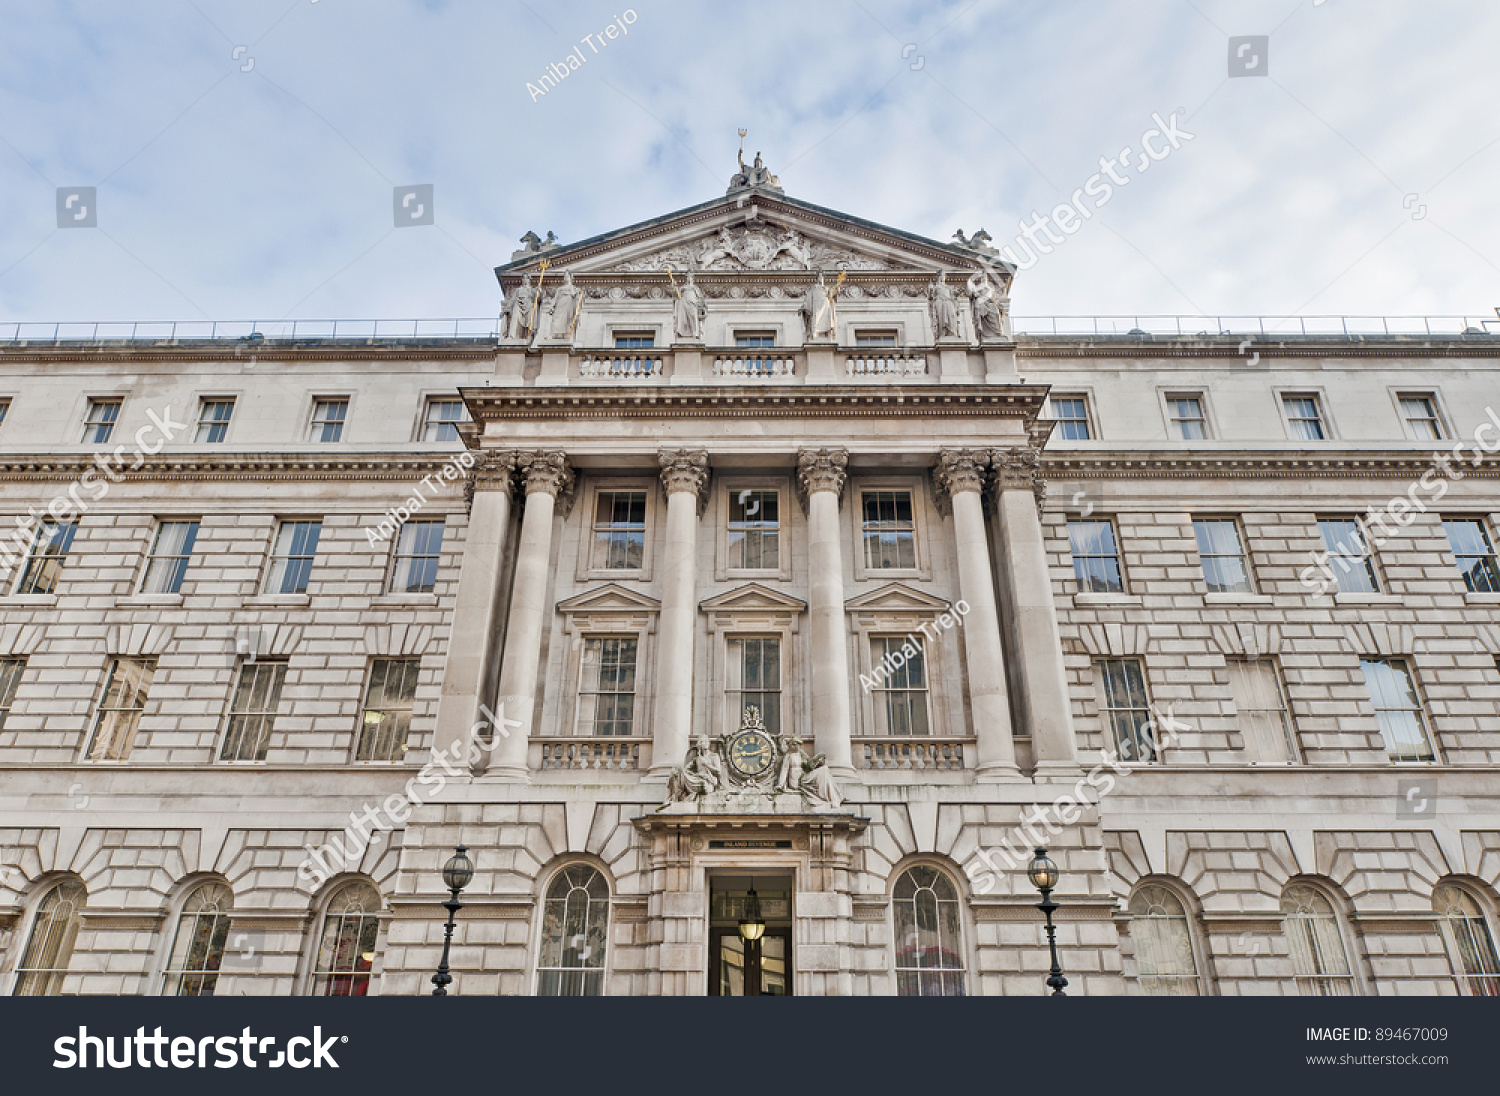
751, 753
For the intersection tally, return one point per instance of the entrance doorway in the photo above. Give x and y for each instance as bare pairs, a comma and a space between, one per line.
741, 968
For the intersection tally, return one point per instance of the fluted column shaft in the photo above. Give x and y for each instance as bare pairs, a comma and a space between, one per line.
684, 478
820, 475
960, 475
547, 477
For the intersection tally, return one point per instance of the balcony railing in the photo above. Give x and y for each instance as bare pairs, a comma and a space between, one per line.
620, 367
886, 365
910, 754
591, 754
756, 367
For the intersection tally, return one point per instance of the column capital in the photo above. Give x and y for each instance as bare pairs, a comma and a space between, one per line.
547, 471
821, 470
956, 471
492, 470
685, 470
1020, 469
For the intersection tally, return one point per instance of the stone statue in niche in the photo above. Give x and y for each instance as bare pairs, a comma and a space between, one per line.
945, 323
689, 312
818, 310
517, 311
565, 306
989, 307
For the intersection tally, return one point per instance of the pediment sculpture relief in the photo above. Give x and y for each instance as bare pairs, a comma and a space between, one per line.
759, 247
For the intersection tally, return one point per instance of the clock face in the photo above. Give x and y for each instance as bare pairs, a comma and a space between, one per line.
751, 754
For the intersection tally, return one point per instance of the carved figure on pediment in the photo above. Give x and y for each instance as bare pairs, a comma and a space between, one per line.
565, 305
989, 307
720, 247
689, 312
945, 323
517, 310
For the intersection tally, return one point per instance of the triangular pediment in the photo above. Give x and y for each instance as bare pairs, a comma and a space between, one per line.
753, 597
896, 598
609, 599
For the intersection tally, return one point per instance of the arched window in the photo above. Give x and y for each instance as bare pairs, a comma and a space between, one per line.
929, 940
346, 951
1163, 943
1318, 957
1471, 949
198, 946
45, 960
575, 921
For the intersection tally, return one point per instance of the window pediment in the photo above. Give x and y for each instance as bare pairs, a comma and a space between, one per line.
610, 598
752, 602
897, 598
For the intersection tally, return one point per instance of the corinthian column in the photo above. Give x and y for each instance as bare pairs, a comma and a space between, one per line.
959, 474
820, 480
1027, 583
684, 479
472, 638
547, 478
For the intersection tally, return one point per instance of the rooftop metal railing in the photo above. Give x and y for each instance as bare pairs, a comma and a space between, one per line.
1269, 327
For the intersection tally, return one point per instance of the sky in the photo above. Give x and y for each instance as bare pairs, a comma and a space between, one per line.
246, 154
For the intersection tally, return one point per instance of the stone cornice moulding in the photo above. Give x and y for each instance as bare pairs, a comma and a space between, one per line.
381, 467
1081, 346
481, 353
1250, 464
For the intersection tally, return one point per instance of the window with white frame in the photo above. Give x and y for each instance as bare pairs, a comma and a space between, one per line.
1466, 935
1311, 925
635, 340
1398, 709
385, 720
1096, 557
878, 338
1265, 722
1186, 414
49, 548
198, 945
889, 530
575, 934
99, 421
346, 950
606, 690
292, 556
166, 564
419, 549
1350, 555
619, 531
49, 946
1420, 415
901, 694
1225, 569
1163, 939
10, 678
120, 709
1125, 707
929, 934
252, 712
1072, 415
440, 419
1304, 417
754, 530
328, 419
754, 680
1474, 553
213, 420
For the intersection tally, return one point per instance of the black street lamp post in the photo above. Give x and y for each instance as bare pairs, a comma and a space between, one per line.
456, 875
1044, 875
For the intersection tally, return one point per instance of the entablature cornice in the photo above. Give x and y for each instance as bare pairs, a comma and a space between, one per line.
1084, 347
479, 352
227, 467
1250, 464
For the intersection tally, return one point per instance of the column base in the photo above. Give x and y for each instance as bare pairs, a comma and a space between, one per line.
999, 772
505, 774
1056, 770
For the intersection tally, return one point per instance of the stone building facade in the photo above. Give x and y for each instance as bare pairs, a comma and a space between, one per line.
309, 612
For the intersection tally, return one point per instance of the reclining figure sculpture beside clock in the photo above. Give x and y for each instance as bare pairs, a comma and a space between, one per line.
751, 760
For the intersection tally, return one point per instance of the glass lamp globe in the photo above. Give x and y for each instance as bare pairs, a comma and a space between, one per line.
458, 870
1042, 872
752, 927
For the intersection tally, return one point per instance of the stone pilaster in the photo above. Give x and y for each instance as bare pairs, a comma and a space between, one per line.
820, 483
684, 478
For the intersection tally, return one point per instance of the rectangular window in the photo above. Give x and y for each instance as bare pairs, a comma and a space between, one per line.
252, 713
1125, 708
168, 561
48, 550
1188, 422
901, 696
386, 719
328, 419
889, 530
213, 420
99, 421
874, 338
619, 531
4, 410
419, 547
754, 530
120, 709
1419, 412
1096, 559
606, 691
1072, 415
1304, 417
440, 420
1475, 554
754, 680
1397, 708
635, 340
1224, 567
754, 339
1350, 556
1265, 722
10, 679
292, 557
